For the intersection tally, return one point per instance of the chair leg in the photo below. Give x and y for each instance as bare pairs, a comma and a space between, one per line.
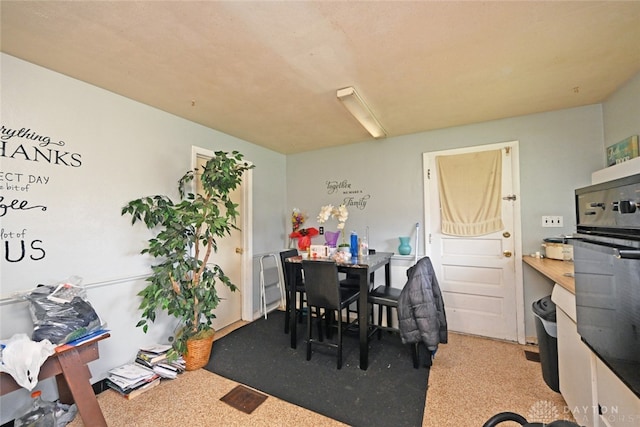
340, 338
370, 308
287, 313
328, 322
414, 355
309, 334
319, 317
380, 308
300, 304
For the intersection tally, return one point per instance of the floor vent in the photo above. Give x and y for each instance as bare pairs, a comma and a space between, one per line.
244, 399
532, 356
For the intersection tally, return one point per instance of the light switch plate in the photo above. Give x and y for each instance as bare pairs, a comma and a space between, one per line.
552, 221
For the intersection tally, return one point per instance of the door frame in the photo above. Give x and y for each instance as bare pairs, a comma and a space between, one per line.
246, 212
513, 146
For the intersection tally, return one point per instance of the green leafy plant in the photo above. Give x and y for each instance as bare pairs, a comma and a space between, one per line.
183, 283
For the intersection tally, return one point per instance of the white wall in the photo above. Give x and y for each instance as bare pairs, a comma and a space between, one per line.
558, 152
123, 150
622, 112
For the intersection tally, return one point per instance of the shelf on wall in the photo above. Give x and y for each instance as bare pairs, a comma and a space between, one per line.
630, 167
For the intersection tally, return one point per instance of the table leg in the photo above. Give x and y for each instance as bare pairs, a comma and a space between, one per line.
387, 274
363, 318
387, 283
76, 382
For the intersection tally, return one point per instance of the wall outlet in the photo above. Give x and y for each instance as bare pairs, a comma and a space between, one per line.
552, 221
321, 230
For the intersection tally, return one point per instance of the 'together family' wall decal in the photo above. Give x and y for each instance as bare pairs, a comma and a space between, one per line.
23, 151
351, 197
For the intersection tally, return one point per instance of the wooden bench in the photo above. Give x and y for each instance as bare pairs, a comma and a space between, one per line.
69, 366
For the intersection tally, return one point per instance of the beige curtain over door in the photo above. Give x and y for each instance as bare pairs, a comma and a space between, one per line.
470, 193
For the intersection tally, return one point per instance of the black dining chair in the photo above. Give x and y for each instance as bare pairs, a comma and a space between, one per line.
352, 281
326, 296
296, 281
386, 297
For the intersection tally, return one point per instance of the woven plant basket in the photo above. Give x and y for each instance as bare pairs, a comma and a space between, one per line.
198, 353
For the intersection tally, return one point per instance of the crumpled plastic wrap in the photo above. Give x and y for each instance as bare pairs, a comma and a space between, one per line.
22, 358
61, 313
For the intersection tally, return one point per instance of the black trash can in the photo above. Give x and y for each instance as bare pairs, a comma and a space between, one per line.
547, 330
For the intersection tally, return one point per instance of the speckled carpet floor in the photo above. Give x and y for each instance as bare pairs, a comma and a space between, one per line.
474, 378
471, 379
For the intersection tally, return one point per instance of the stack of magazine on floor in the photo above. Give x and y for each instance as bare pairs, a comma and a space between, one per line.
155, 357
132, 379
151, 365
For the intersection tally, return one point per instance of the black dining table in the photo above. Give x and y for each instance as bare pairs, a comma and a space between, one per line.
363, 268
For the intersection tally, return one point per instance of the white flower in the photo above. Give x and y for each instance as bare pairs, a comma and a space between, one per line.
340, 213
325, 213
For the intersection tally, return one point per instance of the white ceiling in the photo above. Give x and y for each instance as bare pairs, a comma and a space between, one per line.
267, 72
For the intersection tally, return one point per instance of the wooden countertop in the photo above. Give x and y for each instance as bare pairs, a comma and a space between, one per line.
561, 272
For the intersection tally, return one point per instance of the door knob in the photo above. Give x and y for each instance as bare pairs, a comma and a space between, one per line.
507, 254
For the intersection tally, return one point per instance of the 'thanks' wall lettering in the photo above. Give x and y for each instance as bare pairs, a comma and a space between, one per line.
41, 153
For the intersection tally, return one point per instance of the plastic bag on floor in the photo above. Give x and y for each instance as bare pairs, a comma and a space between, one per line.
65, 413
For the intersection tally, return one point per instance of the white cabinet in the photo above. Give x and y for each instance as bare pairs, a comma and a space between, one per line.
618, 405
594, 394
574, 361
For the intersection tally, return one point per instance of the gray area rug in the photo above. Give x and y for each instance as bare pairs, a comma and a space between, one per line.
389, 393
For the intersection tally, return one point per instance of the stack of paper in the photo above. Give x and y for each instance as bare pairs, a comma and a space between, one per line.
156, 358
132, 379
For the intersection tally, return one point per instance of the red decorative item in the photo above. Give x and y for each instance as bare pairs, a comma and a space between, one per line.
304, 242
304, 237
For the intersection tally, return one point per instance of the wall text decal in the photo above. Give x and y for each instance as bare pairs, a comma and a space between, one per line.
354, 198
17, 187
16, 149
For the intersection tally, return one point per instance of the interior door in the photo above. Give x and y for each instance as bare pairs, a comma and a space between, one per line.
480, 277
229, 258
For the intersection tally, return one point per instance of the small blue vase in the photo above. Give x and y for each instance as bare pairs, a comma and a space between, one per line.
405, 247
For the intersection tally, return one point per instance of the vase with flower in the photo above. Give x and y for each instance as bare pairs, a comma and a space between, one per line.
304, 236
341, 214
297, 219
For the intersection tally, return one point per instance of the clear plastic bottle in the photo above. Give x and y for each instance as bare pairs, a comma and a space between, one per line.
39, 413
364, 247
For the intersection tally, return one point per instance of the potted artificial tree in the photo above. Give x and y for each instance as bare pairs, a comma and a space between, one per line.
183, 282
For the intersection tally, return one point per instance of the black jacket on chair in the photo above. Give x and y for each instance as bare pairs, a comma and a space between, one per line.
421, 307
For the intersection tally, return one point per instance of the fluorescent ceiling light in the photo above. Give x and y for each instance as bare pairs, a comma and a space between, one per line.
361, 111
